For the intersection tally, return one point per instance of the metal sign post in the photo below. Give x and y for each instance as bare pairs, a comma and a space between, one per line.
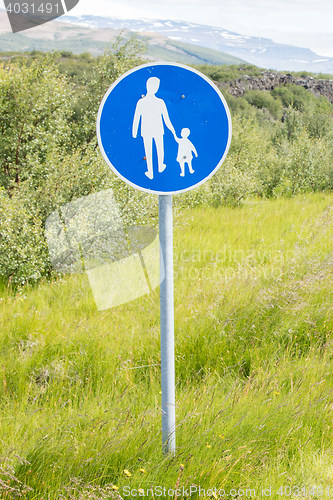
167, 326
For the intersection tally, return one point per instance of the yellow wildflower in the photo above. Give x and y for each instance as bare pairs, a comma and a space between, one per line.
141, 490
143, 470
114, 487
215, 495
127, 473
208, 445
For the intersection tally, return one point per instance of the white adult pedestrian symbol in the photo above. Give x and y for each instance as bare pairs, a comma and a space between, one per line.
183, 118
152, 111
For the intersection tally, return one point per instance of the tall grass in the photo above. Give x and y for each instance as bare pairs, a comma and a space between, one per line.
80, 389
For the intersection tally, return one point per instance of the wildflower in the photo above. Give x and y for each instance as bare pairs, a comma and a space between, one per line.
114, 487
160, 392
141, 490
143, 470
215, 495
208, 445
221, 436
127, 473
182, 466
277, 392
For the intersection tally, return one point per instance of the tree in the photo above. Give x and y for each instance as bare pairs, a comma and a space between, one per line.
116, 60
34, 105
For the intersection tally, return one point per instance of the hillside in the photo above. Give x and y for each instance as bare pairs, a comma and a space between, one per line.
177, 41
57, 35
262, 52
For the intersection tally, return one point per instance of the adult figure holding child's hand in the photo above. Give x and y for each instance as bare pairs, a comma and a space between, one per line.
153, 114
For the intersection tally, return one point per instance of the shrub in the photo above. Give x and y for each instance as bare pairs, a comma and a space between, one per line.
262, 99
23, 252
227, 73
34, 106
23, 248
230, 185
237, 105
308, 164
116, 60
293, 96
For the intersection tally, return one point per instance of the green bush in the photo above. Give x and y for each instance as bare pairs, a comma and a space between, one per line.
236, 105
226, 73
23, 251
24, 255
293, 96
230, 185
262, 99
116, 60
35, 104
308, 164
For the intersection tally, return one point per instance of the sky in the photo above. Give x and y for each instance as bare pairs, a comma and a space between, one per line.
304, 23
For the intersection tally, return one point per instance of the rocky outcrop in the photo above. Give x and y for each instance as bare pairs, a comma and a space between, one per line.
271, 79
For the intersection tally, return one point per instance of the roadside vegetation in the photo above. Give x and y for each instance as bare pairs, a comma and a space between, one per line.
282, 146
227, 73
80, 390
75, 65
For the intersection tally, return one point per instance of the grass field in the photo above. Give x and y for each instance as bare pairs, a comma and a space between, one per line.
80, 390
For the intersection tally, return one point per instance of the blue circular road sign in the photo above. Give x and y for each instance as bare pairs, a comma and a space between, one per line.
164, 128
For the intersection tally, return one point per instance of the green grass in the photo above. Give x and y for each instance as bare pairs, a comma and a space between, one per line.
253, 326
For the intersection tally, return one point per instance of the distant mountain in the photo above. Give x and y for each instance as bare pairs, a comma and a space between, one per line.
79, 38
176, 41
262, 52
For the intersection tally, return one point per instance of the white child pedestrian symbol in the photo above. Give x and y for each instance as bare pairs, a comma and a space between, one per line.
185, 151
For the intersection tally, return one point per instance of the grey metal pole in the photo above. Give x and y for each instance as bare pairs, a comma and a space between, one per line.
167, 325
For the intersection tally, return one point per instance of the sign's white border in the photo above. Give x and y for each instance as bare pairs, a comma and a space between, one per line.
148, 65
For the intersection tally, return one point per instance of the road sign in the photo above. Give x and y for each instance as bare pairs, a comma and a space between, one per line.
164, 128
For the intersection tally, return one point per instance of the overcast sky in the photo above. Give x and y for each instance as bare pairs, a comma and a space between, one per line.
305, 23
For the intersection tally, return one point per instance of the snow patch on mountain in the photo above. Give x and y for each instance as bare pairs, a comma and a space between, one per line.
256, 50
